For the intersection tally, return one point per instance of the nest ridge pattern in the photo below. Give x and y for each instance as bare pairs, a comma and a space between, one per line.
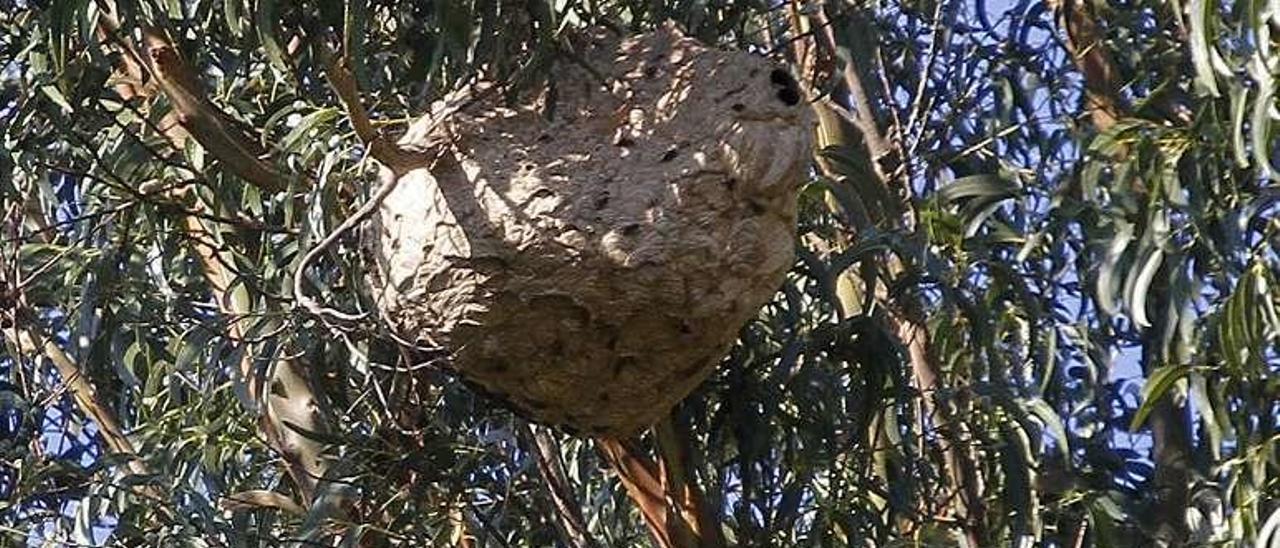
592, 267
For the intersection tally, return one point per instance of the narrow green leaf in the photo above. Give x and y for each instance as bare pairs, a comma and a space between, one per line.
1140, 285
1052, 422
54, 94
355, 18
988, 185
1202, 39
265, 23
292, 142
1107, 271
1239, 104
1016, 460
231, 12
1156, 386
1260, 121
1204, 409
974, 217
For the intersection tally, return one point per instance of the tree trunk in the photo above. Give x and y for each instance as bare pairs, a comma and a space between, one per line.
1084, 38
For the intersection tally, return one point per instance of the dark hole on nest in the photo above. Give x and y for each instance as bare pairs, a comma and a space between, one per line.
781, 77
737, 107
789, 96
788, 91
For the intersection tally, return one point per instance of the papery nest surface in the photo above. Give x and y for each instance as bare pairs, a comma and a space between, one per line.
590, 257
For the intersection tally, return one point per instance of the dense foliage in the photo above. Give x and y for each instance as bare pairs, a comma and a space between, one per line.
1034, 300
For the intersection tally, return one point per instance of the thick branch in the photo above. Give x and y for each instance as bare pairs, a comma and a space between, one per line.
903, 316
673, 448
291, 407
1084, 39
195, 113
1170, 432
569, 520
344, 86
84, 393
863, 113
672, 526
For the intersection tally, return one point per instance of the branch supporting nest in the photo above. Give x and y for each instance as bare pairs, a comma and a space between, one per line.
395, 157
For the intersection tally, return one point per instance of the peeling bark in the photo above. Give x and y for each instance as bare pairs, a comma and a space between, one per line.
672, 505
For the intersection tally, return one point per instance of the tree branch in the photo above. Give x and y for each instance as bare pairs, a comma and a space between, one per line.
344, 86
670, 510
209, 126
1084, 41
292, 404
890, 199
34, 342
569, 520
1170, 432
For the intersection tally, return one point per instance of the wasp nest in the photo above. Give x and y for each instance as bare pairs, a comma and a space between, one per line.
591, 257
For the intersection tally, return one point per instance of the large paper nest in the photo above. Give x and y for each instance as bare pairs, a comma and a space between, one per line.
590, 259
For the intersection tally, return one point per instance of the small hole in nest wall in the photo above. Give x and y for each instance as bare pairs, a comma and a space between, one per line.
780, 77
788, 91
670, 154
789, 97
738, 107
